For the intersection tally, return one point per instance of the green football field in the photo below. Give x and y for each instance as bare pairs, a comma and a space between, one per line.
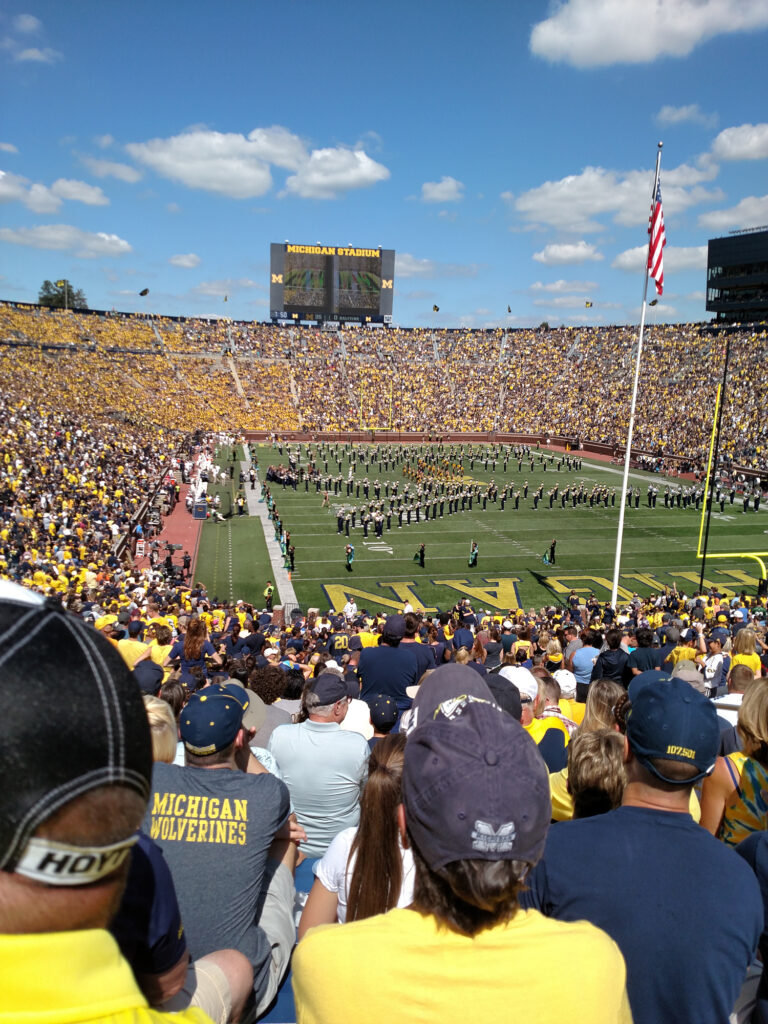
659, 545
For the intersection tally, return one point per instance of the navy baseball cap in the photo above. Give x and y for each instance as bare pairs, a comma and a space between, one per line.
383, 711
329, 687
149, 676
212, 718
673, 722
442, 688
475, 787
648, 678
394, 627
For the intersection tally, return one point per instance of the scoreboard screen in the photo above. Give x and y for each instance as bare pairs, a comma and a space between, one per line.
331, 283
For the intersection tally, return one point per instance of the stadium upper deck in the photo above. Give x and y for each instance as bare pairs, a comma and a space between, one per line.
568, 381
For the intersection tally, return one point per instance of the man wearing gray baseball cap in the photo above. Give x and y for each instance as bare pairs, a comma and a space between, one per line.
475, 813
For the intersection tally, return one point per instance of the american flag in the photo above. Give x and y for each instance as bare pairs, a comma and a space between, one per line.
658, 241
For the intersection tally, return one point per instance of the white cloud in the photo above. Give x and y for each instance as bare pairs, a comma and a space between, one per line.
173, 208
447, 190
104, 141
745, 142
329, 172
12, 187
278, 146
669, 115
42, 199
79, 191
8, 147
411, 266
84, 244
227, 164
573, 202
111, 169
38, 56
676, 258
567, 252
27, 23
597, 33
752, 211
239, 167
563, 286
186, 260
407, 266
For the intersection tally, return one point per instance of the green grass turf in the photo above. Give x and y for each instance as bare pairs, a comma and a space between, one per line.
232, 558
659, 547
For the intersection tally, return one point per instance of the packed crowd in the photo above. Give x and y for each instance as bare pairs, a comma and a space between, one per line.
435, 380
347, 768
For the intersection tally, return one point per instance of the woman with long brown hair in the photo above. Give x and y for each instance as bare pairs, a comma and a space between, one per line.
192, 652
366, 870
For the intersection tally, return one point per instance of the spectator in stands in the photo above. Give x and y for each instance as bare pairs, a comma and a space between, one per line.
734, 799
163, 729
596, 775
583, 661
69, 819
475, 814
645, 656
612, 662
744, 651
601, 713
640, 870
424, 654
322, 765
366, 870
231, 828
269, 684
391, 667
192, 652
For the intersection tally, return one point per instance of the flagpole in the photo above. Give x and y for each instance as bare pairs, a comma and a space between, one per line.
622, 507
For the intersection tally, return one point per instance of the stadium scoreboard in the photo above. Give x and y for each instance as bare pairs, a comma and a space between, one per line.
331, 284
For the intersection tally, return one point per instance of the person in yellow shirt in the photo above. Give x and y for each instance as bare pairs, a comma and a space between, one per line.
475, 814
68, 822
744, 651
160, 643
132, 648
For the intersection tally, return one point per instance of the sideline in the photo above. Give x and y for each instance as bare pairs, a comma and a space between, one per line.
259, 509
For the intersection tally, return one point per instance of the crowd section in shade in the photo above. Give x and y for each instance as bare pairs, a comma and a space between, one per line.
574, 382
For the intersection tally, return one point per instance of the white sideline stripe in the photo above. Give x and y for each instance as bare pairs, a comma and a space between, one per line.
259, 508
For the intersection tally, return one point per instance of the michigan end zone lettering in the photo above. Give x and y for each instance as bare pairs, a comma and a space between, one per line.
332, 250
502, 594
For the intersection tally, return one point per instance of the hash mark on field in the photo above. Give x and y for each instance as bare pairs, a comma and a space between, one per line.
503, 537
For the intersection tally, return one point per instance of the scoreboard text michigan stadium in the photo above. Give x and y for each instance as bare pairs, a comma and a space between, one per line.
331, 283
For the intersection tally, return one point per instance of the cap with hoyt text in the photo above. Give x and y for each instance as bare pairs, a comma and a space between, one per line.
71, 720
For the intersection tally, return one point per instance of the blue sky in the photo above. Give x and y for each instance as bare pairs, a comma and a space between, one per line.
504, 150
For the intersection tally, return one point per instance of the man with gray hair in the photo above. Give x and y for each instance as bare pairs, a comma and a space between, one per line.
322, 764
